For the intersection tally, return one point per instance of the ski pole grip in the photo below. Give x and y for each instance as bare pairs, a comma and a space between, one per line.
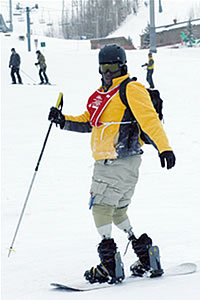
59, 103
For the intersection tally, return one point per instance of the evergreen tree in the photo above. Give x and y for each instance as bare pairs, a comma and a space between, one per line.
146, 40
190, 34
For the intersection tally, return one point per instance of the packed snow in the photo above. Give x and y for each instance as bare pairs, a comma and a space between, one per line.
57, 239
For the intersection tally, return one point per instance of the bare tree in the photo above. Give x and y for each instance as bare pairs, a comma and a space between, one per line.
95, 18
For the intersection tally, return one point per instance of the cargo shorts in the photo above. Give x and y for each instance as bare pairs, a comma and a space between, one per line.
114, 181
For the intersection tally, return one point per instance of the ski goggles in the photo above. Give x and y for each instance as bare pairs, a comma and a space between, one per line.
112, 68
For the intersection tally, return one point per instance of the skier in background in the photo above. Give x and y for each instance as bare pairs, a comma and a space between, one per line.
150, 69
116, 146
42, 64
14, 64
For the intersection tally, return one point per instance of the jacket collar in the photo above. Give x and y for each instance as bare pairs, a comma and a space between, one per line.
116, 81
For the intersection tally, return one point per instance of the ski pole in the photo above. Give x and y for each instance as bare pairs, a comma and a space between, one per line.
28, 76
58, 104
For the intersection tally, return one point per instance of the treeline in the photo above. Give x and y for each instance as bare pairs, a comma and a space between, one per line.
95, 18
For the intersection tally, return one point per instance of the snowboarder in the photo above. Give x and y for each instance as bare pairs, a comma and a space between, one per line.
42, 72
116, 146
14, 64
150, 69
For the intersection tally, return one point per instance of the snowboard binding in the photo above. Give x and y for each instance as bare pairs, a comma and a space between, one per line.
155, 266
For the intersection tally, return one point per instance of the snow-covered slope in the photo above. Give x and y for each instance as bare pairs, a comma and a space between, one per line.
57, 240
50, 12
134, 25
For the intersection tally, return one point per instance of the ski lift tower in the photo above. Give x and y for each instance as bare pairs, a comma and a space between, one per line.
10, 12
152, 28
28, 9
152, 25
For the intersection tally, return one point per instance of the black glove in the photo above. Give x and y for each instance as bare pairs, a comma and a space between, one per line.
57, 117
144, 65
36, 64
169, 157
134, 78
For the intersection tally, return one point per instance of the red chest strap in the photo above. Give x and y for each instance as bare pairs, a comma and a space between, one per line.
97, 103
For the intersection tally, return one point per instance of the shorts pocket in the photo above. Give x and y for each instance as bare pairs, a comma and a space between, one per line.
97, 191
104, 193
98, 187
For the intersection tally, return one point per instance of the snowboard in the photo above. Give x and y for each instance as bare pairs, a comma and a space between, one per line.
182, 269
34, 84
46, 84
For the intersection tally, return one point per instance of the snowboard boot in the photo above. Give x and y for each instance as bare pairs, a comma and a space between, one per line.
110, 268
149, 258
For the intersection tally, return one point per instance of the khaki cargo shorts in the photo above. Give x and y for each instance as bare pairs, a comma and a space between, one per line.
114, 181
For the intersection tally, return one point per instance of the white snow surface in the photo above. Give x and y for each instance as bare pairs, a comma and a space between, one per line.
57, 240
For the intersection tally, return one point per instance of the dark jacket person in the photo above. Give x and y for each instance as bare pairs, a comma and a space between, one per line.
14, 64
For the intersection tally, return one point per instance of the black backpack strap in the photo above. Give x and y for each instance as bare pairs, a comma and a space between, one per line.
154, 95
122, 94
122, 91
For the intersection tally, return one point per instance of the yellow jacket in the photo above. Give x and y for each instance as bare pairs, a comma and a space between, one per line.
117, 137
150, 65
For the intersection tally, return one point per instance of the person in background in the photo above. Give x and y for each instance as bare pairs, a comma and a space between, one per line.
42, 64
14, 64
150, 69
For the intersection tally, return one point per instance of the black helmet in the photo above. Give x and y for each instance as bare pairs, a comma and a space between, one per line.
38, 52
111, 54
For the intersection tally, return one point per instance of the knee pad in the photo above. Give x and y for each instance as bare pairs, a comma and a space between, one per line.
120, 215
121, 220
102, 214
